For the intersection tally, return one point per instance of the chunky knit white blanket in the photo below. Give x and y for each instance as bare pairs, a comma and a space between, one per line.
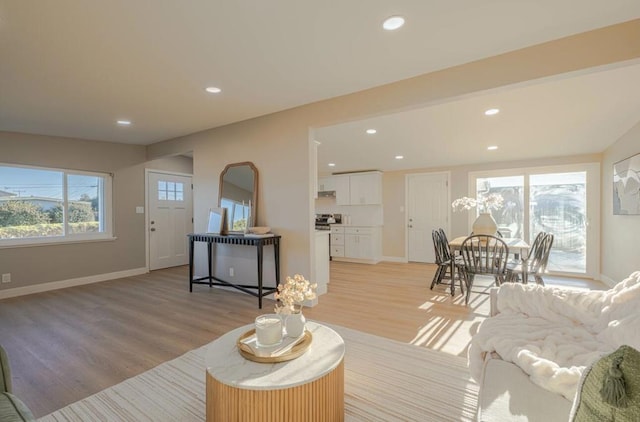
553, 334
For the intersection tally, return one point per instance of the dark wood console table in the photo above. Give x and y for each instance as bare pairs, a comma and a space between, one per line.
258, 242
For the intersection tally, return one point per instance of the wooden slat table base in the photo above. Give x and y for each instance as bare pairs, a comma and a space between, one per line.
319, 401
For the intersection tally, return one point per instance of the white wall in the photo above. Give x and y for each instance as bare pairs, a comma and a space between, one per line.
279, 144
394, 196
620, 233
37, 265
361, 215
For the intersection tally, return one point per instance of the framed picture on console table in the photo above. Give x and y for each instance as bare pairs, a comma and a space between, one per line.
626, 186
217, 220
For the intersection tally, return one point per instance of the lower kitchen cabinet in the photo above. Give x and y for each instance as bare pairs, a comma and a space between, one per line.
356, 244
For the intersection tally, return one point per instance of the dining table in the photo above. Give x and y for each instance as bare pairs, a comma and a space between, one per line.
517, 247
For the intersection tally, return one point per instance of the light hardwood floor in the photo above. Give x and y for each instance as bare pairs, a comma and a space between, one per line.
67, 344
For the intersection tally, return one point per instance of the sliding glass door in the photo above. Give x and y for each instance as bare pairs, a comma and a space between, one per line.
564, 203
511, 216
558, 204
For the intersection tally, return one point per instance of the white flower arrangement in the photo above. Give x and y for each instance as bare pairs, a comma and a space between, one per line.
493, 201
292, 293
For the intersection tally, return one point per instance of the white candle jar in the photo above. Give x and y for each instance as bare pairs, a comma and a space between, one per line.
268, 330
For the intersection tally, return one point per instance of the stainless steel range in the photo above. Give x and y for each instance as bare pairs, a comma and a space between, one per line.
324, 221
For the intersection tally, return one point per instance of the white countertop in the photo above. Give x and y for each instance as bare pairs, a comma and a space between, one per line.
355, 225
227, 366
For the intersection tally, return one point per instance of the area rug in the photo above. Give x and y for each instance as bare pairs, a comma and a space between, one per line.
385, 380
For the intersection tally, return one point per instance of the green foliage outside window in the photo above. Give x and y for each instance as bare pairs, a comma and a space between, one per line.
78, 212
21, 213
21, 218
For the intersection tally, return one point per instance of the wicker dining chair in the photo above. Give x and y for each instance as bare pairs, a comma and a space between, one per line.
483, 255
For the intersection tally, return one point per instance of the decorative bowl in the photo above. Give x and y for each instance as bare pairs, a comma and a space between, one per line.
259, 230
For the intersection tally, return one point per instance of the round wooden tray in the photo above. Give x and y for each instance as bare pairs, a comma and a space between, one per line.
296, 351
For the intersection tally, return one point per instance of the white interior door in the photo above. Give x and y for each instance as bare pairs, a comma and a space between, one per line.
170, 219
427, 209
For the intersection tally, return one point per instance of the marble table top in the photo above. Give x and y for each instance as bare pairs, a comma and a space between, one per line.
226, 365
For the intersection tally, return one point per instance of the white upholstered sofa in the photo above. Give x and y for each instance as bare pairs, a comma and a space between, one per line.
529, 356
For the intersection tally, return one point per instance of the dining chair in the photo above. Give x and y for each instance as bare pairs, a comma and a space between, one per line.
443, 261
457, 259
483, 255
535, 262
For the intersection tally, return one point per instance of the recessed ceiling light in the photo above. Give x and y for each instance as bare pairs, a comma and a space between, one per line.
124, 122
392, 23
492, 148
492, 111
399, 157
213, 90
371, 131
332, 164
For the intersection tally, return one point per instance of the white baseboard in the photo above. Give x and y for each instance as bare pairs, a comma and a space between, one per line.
356, 260
55, 285
322, 289
400, 259
608, 281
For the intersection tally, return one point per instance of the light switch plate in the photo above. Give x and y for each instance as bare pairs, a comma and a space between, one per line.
139, 210
6, 278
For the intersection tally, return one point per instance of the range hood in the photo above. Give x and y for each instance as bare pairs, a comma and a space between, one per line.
326, 194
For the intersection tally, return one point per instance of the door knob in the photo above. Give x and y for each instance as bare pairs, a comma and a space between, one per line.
410, 226
153, 229
153, 222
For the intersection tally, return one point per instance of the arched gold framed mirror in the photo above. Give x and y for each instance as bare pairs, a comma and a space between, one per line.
238, 193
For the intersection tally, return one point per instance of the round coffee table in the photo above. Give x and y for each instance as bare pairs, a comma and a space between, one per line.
308, 388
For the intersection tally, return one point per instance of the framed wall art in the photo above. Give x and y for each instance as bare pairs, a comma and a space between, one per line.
217, 221
626, 186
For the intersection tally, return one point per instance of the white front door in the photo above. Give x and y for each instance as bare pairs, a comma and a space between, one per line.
170, 219
427, 209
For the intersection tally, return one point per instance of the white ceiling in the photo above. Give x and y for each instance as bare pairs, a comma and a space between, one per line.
72, 67
568, 115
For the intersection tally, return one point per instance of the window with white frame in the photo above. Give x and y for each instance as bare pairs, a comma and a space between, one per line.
41, 205
170, 191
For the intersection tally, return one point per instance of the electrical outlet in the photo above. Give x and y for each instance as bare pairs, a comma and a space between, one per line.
6, 278
231, 272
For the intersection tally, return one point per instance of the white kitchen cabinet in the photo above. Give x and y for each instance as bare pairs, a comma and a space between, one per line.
337, 241
365, 188
355, 188
343, 189
359, 242
327, 183
337, 251
356, 244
